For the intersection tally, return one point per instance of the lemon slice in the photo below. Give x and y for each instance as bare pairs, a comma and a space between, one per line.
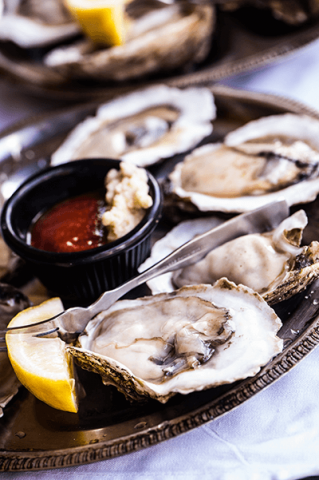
42, 365
102, 20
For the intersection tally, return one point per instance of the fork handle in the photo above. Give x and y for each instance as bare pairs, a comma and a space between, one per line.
256, 221
178, 259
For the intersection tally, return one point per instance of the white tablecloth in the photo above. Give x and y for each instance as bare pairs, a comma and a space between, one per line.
272, 436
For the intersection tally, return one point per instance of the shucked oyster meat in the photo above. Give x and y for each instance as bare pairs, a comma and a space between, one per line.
273, 263
161, 38
191, 339
267, 159
142, 127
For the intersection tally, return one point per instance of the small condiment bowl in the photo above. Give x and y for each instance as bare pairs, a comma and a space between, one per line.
78, 277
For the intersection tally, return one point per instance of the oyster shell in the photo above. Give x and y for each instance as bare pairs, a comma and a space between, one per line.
179, 235
32, 23
142, 127
180, 35
272, 263
191, 339
267, 159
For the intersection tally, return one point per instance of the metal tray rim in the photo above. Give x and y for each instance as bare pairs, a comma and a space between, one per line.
279, 366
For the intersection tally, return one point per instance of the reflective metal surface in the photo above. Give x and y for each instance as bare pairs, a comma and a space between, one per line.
11, 302
35, 436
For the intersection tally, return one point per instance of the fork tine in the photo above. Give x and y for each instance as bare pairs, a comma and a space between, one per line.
48, 333
42, 322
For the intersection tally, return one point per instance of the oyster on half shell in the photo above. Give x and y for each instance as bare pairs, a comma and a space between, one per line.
34, 23
266, 159
273, 263
163, 38
191, 339
142, 127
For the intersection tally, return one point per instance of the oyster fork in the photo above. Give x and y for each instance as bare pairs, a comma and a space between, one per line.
69, 324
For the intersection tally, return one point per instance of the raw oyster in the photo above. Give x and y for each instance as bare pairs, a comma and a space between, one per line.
180, 35
266, 159
272, 263
142, 127
191, 339
32, 23
179, 235
12, 301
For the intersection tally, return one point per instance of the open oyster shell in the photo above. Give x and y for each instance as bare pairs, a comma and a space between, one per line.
274, 264
181, 36
32, 23
142, 127
266, 159
192, 339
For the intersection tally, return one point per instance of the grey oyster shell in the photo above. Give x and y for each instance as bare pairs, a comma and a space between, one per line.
32, 23
266, 159
142, 127
12, 301
157, 346
184, 38
274, 264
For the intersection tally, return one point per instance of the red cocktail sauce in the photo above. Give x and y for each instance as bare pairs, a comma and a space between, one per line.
73, 225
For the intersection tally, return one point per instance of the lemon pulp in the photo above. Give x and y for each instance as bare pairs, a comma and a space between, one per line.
102, 20
42, 365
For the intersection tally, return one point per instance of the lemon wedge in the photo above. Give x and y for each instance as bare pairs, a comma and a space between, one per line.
102, 20
42, 365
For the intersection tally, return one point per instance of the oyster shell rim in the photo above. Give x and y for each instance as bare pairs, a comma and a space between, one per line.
43, 34
136, 388
198, 121
135, 437
203, 13
304, 269
293, 194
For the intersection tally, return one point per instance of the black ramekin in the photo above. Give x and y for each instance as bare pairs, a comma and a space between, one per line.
78, 277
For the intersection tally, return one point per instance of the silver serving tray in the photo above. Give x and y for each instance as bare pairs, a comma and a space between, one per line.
243, 40
33, 436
